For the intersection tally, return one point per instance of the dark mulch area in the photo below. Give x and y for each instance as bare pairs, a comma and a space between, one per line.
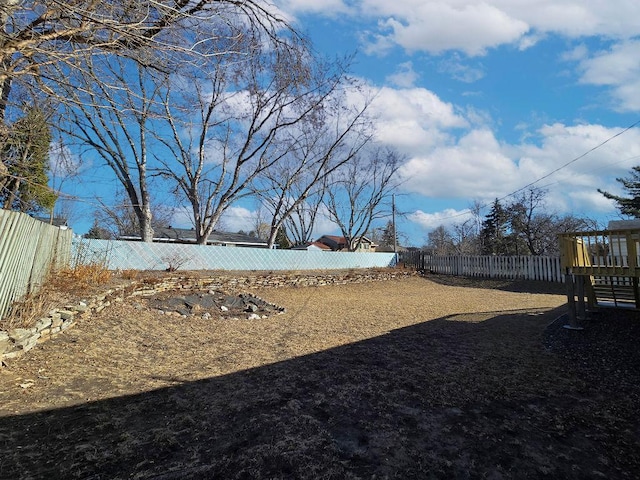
607, 350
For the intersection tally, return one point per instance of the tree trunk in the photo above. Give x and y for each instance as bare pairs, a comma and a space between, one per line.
146, 230
273, 233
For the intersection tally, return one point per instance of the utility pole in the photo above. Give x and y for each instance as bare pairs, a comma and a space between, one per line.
393, 219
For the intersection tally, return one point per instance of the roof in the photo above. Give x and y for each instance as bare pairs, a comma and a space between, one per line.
57, 221
337, 242
624, 224
311, 246
186, 235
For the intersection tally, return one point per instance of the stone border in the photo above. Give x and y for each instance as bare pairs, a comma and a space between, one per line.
17, 341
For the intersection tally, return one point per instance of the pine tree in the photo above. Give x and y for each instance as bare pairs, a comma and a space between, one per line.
282, 239
98, 232
389, 237
628, 205
25, 154
494, 232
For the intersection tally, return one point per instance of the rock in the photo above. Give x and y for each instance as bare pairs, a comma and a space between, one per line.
66, 324
254, 316
43, 323
5, 342
20, 334
12, 355
28, 343
67, 314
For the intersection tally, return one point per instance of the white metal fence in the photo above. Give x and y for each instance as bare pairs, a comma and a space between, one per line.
122, 255
29, 249
516, 267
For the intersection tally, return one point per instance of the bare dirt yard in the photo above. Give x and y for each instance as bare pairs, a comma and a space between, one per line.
413, 378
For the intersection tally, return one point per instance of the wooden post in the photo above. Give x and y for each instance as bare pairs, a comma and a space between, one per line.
581, 310
571, 301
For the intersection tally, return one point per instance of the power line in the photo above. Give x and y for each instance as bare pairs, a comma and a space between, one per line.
574, 160
467, 211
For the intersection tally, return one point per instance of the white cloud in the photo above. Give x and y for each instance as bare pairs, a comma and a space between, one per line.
593, 201
474, 26
440, 26
478, 166
431, 221
414, 118
576, 54
238, 218
461, 71
619, 68
475, 167
326, 7
404, 77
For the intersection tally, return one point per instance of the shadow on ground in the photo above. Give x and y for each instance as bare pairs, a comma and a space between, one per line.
519, 286
451, 398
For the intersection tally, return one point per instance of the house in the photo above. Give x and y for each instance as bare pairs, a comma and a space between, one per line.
389, 249
55, 221
185, 235
339, 244
312, 246
617, 243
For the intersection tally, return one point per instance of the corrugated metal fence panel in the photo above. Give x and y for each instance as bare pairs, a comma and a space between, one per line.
122, 255
28, 250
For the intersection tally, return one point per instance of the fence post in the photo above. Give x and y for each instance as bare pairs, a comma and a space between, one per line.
571, 301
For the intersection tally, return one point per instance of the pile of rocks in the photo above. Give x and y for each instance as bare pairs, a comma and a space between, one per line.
214, 304
17, 341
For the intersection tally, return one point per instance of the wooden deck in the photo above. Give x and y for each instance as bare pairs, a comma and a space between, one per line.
601, 270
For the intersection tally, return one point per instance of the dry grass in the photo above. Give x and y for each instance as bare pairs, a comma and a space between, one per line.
80, 278
60, 287
413, 379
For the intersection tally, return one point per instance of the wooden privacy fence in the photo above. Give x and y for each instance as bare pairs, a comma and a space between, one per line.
488, 266
29, 249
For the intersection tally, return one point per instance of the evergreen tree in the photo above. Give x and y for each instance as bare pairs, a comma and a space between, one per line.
25, 156
494, 235
388, 236
628, 205
282, 239
98, 232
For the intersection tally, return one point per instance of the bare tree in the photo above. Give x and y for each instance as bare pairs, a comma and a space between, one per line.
36, 34
63, 49
441, 241
260, 223
110, 108
64, 167
241, 123
119, 218
301, 222
465, 238
320, 145
360, 192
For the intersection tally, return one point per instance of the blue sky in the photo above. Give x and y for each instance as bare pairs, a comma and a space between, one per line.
484, 98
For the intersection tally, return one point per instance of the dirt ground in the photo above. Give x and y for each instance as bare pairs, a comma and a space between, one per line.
417, 378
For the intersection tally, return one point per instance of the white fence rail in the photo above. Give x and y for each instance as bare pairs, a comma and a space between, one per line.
123, 255
29, 249
516, 267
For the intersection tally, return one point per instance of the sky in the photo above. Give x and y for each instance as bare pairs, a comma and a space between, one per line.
487, 98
